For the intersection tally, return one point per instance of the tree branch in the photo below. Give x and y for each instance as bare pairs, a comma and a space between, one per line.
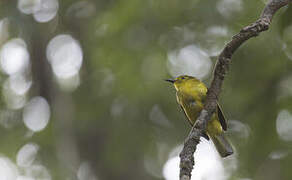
193, 139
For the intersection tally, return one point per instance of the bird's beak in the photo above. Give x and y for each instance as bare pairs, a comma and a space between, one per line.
170, 80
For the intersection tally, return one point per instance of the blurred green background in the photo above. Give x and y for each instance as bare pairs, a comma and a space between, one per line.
83, 96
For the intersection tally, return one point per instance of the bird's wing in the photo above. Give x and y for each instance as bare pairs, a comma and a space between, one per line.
221, 117
204, 135
186, 115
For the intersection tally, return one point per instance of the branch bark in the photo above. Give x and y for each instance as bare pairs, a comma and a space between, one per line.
252, 30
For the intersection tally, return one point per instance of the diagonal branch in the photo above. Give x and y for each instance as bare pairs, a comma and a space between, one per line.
191, 142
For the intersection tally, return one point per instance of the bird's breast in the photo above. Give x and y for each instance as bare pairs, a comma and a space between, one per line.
191, 105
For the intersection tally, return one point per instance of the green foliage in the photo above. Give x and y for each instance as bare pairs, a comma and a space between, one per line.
123, 115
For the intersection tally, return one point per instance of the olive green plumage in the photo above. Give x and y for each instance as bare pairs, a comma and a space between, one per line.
191, 94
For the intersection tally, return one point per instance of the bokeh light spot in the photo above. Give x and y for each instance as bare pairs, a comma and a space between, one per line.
65, 55
12, 99
118, 107
214, 39
278, 154
27, 154
36, 114
14, 57
19, 84
227, 8
8, 170
28, 6
209, 165
38, 172
82, 9
47, 11
69, 84
238, 129
85, 172
171, 169
190, 60
284, 125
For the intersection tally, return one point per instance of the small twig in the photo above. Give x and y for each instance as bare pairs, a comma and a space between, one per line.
193, 139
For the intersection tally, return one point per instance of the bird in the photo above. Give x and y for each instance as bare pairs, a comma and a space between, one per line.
190, 95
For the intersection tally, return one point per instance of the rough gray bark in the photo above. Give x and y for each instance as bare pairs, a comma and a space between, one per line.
193, 139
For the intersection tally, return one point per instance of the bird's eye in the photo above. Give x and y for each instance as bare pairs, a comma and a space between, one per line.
183, 78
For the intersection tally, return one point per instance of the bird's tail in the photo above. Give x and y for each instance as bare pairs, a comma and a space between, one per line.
222, 145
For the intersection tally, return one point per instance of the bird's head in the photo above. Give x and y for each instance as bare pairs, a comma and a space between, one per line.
182, 81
